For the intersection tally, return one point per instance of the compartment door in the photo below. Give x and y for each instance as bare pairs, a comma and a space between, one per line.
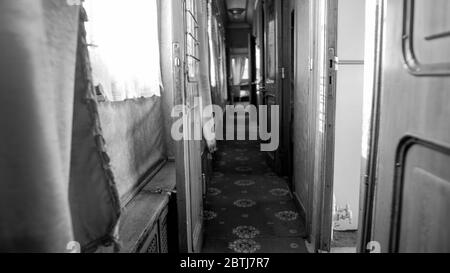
412, 189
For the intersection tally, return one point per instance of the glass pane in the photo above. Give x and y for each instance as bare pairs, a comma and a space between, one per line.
246, 70
124, 48
271, 42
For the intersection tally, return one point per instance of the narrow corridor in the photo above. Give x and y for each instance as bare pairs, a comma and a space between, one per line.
249, 209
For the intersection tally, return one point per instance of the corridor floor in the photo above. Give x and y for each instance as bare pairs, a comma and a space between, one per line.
249, 209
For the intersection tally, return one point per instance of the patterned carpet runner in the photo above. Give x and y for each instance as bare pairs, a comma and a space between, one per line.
249, 209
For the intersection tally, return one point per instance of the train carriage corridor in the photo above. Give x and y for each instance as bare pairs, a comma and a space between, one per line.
249, 208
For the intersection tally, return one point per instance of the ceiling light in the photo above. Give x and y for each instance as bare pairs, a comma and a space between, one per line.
236, 11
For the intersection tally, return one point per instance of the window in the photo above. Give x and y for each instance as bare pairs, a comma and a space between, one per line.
240, 69
124, 48
271, 41
245, 77
258, 64
212, 37
192, 42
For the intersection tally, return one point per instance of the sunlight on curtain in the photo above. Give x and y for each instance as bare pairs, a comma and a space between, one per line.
124, 47
245, 75
217, 57
223, 68
212, 22
239, 66
258, 64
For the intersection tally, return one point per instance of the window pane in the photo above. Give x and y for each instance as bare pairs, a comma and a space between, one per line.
192, 40
246, 70
124, 48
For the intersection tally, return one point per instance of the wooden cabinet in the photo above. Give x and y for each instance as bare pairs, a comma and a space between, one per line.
156, 240
149, 220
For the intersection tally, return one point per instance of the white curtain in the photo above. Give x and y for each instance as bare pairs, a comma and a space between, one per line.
212, 23
124, 47
206, 79
223, 70
238, 69
218, 58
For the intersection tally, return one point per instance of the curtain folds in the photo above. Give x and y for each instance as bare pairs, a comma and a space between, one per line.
58, 184
223, 66
205, 79
218, 57
238, 69
38, 55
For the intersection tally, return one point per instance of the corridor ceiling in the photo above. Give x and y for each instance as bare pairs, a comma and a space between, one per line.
246, 5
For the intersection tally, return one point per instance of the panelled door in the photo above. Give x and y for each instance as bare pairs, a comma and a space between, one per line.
412, 193
271, 92
192, 91
189, 168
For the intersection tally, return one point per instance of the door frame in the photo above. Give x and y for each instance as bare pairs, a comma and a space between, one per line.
273, 158
260, 85
252, 67
286, 91
184, 148
369, 186
325, 196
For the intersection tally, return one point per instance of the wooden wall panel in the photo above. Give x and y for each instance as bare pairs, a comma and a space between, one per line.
411, 105
303, 116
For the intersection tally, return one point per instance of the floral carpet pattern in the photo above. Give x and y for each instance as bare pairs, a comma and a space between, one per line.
249, 208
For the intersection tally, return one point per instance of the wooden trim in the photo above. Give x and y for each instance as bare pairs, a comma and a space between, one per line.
324, 241
369, 190
312, 133
143, 182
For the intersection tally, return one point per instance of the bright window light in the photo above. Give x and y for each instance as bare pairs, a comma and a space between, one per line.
124, 47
